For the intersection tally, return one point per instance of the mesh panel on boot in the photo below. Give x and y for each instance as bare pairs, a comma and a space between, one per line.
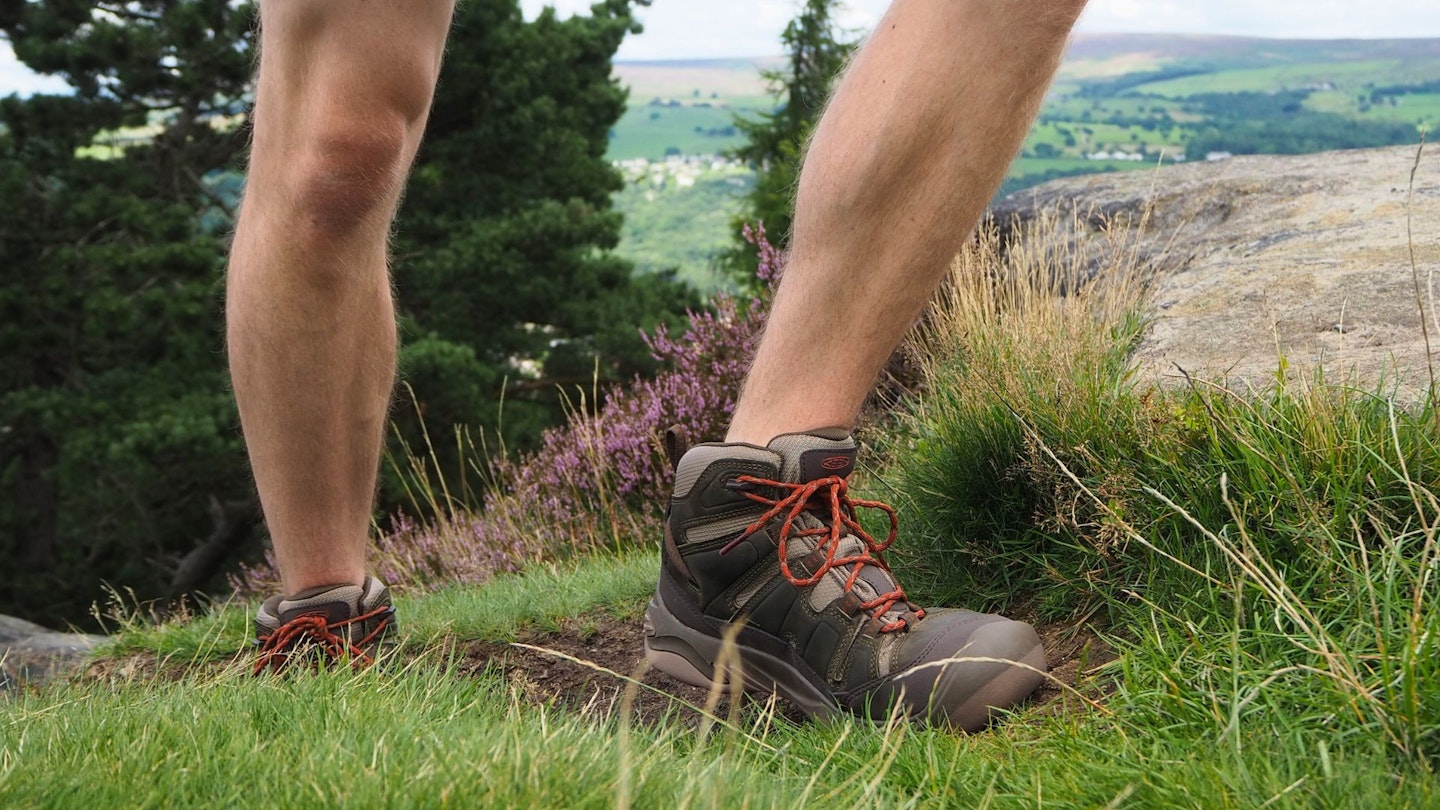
699, 458
715, 529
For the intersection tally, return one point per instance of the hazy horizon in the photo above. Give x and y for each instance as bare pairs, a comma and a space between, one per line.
687, 30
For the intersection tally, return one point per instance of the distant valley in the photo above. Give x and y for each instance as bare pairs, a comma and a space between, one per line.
1120, 102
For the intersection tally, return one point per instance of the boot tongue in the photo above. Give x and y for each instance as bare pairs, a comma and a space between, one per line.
815, 454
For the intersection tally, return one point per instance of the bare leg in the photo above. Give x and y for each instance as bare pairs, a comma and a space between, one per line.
344, 90
913, 145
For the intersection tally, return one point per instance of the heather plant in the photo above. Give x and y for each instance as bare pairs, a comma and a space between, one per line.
597, 481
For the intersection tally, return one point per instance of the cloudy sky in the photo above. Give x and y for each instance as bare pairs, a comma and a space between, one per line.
697, 29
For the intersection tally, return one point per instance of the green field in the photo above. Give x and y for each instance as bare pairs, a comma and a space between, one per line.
1417, 108
1279, 77
682, 229
1071, 107
1072, 137
653, 131
726, 78
1025, 166
1102, 95
686, 108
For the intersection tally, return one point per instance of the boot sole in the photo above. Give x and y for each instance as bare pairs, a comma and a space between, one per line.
688, 654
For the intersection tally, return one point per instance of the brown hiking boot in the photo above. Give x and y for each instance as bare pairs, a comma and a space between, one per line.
766, 537
327, 624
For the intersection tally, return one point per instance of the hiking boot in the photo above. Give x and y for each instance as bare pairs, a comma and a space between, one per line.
766, 538
330, 623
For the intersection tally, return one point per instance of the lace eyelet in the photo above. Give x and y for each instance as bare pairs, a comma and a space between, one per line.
734, 484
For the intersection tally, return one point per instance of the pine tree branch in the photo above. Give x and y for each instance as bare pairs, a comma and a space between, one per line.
210, 194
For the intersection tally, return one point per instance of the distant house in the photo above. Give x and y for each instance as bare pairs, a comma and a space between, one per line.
1118, 154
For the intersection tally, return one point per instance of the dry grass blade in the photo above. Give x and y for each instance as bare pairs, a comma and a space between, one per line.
727, 673
1415, 271
627, 706
627, 679
1260, 573
980, 659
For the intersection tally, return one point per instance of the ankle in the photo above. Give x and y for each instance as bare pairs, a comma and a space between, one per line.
321, 580
761, 433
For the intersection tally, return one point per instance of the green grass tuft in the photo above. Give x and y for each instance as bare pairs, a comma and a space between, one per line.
1264, 558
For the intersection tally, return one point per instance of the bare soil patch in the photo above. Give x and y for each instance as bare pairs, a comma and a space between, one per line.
539, 666
1076, 655
597, 641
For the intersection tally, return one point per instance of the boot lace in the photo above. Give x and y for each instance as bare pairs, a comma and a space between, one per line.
818, 498
312, 629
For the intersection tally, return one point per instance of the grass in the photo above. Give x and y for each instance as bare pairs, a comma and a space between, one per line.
1264, 561
539, 598
435, 735
1267, 556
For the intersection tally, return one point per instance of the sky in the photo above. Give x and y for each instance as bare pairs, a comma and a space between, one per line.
697, 29
705, 29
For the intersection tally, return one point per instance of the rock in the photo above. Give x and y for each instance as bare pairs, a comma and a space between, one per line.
1255, 258
13, 630
31, 655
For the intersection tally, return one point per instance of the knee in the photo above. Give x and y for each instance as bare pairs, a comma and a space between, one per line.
349, 147
339, 111
347, 174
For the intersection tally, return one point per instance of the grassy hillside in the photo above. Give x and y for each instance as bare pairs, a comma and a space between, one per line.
678, 217
1238, 591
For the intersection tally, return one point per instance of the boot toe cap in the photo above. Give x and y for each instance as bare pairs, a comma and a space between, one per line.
968, 668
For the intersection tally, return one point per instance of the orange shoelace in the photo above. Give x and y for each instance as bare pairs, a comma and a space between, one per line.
276, 648
819, 496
